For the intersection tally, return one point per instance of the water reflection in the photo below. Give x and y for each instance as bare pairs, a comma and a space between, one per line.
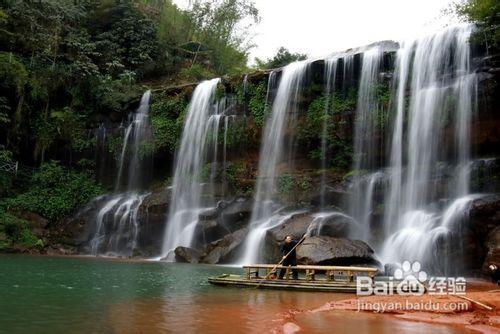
89, 295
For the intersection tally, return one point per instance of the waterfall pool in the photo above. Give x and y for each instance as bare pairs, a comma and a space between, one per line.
41, 294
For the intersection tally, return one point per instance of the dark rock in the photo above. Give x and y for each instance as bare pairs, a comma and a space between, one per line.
209, 214
485, 214
36, 222
152, 216
334, 224
187, 255
296, 226
208, 231
155, 205
237, 213
224, 250
324, 250
493, 246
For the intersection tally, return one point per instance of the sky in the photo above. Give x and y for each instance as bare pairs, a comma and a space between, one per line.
320, 27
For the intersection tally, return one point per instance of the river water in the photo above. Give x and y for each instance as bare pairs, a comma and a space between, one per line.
41, 294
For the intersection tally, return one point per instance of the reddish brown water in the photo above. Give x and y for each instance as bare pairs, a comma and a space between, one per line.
252, 311
85, 295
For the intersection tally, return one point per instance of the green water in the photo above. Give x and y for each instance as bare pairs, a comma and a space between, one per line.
57, 294
41, 294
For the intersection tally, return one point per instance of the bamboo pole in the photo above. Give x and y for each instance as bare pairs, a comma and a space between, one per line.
283, 259
489, 308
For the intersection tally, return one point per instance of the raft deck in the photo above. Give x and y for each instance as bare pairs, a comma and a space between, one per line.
311, 278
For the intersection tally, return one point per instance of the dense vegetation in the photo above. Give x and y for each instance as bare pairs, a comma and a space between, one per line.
66, 66
486, 15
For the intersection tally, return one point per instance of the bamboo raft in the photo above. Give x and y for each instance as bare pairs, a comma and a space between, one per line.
311, 278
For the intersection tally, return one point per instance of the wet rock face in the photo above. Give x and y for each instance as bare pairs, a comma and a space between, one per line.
225, 249
323, 250
481, 237
332, 225
154, 207
236, 214
485, 214
187, 255
493, 247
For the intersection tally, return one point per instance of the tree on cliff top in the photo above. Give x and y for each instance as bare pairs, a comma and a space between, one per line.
486, 14
283, 57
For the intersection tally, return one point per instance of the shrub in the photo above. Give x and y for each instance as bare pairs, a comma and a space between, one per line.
56, 192
17, 232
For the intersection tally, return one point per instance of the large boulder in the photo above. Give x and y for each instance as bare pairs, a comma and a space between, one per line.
154, 206
323, 250
224, 250
333, 224
296, 226
152, 216
485, 214
208, 231
236, 214
493, 246
186, 255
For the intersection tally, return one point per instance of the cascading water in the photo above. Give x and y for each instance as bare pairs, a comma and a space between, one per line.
274, 150
198, 136
116, 223
136, 134
330, 74
437, 70
364, 140
324, 219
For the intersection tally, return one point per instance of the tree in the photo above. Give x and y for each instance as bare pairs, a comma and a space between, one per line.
486, 14
283, 57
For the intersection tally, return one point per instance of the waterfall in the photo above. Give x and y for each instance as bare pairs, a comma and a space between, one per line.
364, 139
330, 75
116, 223
200, 133
322, 219
136, 133
274, 149
436, 71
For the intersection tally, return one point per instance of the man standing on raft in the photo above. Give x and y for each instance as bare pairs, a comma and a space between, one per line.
288, 246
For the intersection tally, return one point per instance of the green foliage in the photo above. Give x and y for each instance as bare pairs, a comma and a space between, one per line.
311, 129
340, 103
56, 192
65, 64
293, 188
257, 104
486, 14
283, 57
234, 173
167, 118
17, 232
13, 74
196, 72
237, 133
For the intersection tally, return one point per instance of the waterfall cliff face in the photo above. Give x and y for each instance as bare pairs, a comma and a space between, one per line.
116, 222
432, 100
398, 116
365, 146
198, 145
275, 149
441, 86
